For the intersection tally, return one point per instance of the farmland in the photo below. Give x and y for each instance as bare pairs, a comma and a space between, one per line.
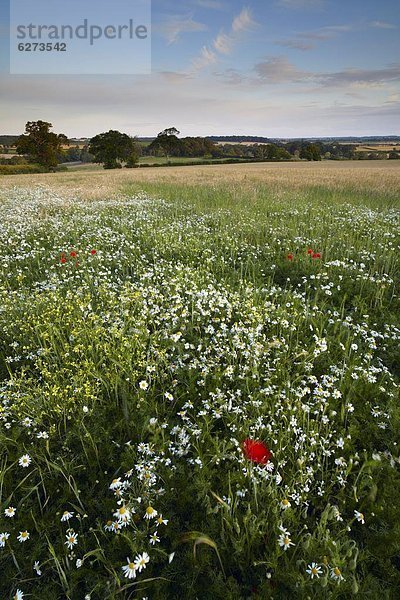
199, 382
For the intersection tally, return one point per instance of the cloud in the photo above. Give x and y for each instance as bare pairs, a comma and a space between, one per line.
175, 26
212, 4
382, 25
361, 77
301, 4
277, 69
325, 33
225, 42
297, 44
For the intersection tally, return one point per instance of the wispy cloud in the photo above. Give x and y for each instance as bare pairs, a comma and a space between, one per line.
297, 44
212, 4
382, 25
224, 43
278, 69
301, 4
175, 26
362, 77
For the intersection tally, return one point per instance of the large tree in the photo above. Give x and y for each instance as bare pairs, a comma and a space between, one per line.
40, 144
114, 148
167, 142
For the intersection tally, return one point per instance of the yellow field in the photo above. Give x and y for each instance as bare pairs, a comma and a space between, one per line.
379, 176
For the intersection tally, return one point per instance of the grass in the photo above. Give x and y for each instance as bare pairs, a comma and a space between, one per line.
153, 323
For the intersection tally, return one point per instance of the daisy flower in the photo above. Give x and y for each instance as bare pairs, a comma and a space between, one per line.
285, 504
314, 570
67, 515
285, 542
18, 595
123, 514
3, 538
129, 569
154, 539
150, 513
25, 461
141, 561
79, 563
116, 483
161, 520
336, 574
10, 511
72, 539
23, 536
143, 385
359, 516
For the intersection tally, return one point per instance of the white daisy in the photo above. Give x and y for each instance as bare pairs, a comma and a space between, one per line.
72, 539
285, 542
18, 595
123, 514
285, 504
141, 561
10, 511
67, 515
359, 516
143, 385
314, 570
154, 539
25, 460
23, 536
161, 520
129, 569
3, 538
336, 574
150, 513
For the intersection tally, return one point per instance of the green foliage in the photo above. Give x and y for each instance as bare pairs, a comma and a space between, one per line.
114, 148
40, 144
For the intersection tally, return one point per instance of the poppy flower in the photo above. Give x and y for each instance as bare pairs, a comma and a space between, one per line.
63, 260
256, 451
93, 252
290, 257
72, 254
310, 251
316, 255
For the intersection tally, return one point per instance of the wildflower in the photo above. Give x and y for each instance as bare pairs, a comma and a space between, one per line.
79, 563
285, 504
18, 595
285, 542
310, 251
154, 539
63, 260
141, 560
336, 574
72, 539
316, 255
161, 521
23, 536
123, 514
314, 570
143, 385
66, 516
359, 516
36, 567
93, 252
3, 538
171, 557
72, 254
256, 451
129, 569
150, 513
25, 461
85, 409
289, 256
10, 511
115, 484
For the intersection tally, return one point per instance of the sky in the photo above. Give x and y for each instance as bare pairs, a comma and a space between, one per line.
276, 68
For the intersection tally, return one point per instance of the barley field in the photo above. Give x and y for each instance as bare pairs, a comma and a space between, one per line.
199, 383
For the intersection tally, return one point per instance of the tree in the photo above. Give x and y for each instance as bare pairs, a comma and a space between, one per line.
113, 148
311, 152
40, 144
167, 142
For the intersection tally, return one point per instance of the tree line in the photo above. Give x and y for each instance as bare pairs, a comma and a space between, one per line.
115, 150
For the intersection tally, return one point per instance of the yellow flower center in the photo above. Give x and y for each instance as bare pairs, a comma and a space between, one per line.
337, 571
314, 571
285, 502
132, 566
286, 541
149, 510
122, 511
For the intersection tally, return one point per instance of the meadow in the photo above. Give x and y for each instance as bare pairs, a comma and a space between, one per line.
199, 383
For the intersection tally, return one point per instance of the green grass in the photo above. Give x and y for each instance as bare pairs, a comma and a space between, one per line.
202, 320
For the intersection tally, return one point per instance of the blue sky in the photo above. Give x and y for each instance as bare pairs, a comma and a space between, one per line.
279, 68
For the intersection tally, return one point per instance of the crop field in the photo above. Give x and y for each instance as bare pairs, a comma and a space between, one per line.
199, 383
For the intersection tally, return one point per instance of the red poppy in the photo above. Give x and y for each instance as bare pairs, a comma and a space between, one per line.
63, 260
310, 251
256, 451
93, 252
316, 255
290, 257
72, 254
